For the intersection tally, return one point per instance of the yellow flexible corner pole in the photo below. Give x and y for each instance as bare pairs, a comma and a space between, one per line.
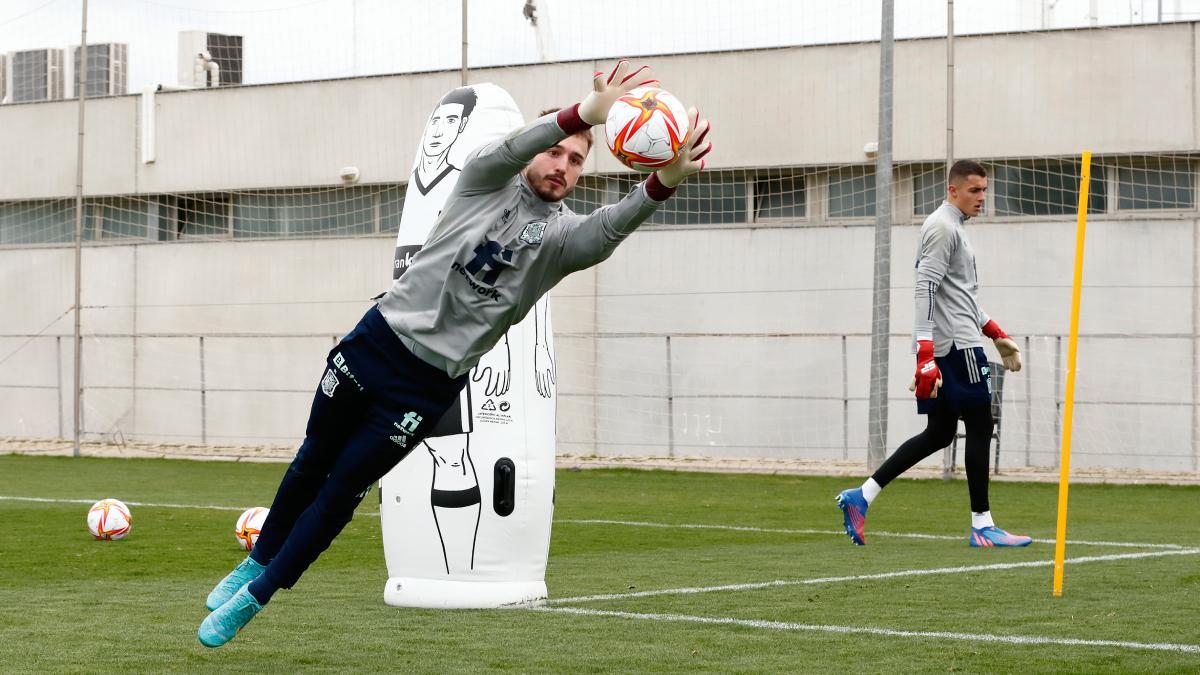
1060, 539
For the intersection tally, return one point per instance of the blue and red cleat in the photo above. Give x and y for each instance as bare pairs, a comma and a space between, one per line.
992, 536
854, 514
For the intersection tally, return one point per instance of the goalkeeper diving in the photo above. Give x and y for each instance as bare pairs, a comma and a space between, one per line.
503, 240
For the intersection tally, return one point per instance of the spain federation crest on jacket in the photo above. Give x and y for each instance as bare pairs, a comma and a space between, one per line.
533, 232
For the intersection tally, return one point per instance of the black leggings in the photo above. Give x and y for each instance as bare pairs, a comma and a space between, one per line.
940, 433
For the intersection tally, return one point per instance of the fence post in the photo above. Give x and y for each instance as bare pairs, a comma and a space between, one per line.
845, 403
1057, 384
81, 94
877, 415
58, 381
1028, 403
203, 398
670, 403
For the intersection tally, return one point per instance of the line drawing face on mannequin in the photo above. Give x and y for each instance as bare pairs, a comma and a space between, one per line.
445, 125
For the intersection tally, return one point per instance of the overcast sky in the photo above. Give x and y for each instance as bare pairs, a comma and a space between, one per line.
288, 40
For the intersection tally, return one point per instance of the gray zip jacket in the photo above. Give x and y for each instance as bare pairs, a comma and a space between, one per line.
947, 310
496, 248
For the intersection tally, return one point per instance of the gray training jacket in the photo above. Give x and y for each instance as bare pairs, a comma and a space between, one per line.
495, 249
947, 310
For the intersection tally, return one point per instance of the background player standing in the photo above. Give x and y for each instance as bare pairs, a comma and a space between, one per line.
953, 379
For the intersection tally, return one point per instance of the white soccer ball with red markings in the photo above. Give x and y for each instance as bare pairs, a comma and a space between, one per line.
646, 128
249, 526
109, 519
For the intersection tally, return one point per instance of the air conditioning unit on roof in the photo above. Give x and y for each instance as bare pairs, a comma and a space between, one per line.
107, 70
33, 75
209, 59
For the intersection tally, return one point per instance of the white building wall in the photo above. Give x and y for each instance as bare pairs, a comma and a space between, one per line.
1035, 94
731, 340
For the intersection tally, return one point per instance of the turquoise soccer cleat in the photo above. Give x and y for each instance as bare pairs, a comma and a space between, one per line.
229, 619
993, 537
854, 514
246, 571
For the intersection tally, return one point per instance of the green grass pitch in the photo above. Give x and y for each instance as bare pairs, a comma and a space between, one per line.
71, 604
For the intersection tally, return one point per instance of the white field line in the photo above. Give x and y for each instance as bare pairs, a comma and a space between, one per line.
886, 632
635, 523
44, 500
842, 533
149, 505
869, 577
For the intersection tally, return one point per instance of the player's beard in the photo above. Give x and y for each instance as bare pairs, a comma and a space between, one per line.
548, 190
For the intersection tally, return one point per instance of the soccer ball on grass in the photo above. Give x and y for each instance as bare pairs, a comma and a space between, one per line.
109, 519
249, 526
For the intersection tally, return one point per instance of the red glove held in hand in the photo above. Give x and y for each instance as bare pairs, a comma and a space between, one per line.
929, 377
993, 331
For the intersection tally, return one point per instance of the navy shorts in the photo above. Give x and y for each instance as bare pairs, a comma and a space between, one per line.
966, 382
372, 360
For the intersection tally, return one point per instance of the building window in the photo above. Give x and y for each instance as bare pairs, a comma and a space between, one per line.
336, 212
1155, 183
123, 218
1043, 187
929, 188
590, 193
391, 205
708, 198
38, 222
852, 192
201, 215
780, 198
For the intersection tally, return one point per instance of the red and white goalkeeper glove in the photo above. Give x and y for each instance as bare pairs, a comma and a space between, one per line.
928, 379
691, 155
1010, 354
607, 89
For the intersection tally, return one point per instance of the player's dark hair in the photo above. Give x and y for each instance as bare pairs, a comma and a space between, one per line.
966, 167
463, 95
587, 135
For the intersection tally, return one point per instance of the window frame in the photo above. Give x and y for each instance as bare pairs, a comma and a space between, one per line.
830, 172
991, 209
1140, 162
779, 174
